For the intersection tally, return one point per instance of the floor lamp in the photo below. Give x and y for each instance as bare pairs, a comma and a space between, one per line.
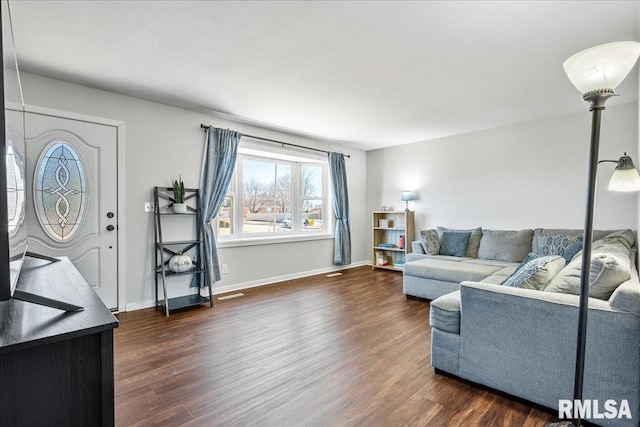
596, 72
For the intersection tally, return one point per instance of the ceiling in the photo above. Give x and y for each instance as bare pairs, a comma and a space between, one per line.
369, 74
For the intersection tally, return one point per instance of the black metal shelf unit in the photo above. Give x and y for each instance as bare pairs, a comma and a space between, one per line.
165, 250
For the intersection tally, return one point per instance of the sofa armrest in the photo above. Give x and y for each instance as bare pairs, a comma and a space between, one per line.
627, 296
416, 247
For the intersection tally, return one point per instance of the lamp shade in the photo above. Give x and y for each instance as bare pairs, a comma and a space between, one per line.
602, 67
625, 177
406, 196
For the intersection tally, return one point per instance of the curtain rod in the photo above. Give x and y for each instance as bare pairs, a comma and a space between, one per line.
205, 127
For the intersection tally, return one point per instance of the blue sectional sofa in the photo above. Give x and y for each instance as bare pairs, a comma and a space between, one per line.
523, 341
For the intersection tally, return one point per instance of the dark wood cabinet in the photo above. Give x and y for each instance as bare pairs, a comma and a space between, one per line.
56, 367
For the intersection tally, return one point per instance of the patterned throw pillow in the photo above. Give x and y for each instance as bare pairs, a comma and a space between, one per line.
430, 242
554, 244
454, 243
531, 256
537, 273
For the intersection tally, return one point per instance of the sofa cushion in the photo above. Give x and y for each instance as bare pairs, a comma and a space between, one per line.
474, 240
491, 262
552, 243
430, 241
500, 276
537, 273
415, 257
454, 243
610, 266
448, 270
444, 313
512, 246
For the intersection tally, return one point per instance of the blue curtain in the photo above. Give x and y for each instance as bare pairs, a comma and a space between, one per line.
219, 160
342, 232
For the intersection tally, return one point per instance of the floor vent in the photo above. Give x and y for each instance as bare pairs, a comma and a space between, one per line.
231, 296
334, 274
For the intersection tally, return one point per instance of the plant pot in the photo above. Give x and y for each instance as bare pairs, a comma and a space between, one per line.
179, 208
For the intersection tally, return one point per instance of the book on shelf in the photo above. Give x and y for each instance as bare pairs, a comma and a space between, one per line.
381, 259
386, 245
398, 263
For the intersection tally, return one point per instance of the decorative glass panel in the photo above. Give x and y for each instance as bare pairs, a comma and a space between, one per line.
60, 191
15, 189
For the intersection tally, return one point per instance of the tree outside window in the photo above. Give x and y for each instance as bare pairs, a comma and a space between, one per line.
274, 197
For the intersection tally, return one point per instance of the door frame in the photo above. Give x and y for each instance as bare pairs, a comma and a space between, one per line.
120, 158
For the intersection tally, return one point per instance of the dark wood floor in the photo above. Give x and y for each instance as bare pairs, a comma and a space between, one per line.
318, 351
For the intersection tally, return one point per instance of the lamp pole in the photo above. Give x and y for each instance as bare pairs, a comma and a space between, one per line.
597, 101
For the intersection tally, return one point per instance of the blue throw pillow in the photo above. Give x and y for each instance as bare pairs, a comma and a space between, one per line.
454, 243
531, 256
572, 250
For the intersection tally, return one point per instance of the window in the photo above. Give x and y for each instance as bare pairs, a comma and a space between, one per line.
275, 195
60, 189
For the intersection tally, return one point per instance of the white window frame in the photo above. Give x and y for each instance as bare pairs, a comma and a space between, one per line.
297, 233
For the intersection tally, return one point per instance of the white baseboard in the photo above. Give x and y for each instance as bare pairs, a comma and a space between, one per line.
139, 305
277, 279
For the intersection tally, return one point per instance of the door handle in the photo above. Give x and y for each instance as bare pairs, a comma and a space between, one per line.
110, 227
109, 214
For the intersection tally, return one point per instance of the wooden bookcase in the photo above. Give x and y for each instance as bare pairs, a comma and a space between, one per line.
392, 235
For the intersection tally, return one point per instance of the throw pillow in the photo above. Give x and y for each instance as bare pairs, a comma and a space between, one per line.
572, 250
611, 259
537, 273
607, 272
525, 261
454, 243
474, 240
501, 245
627, 235
430, 242
554, 243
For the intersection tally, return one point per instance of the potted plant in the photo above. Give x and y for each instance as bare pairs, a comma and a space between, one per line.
179, 206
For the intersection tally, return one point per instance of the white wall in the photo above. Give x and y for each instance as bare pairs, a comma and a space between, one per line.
162, 142
522, 176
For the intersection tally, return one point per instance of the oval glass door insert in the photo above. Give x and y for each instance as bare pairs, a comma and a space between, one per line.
60, 191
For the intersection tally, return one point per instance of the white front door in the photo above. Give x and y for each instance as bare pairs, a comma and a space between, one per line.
72, 202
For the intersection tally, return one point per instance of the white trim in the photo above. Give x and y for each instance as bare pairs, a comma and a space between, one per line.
255, 283
69, 115
119, 125
277, 279
139, 305
272, 240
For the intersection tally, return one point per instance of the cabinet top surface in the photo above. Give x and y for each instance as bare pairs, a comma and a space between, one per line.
24, 324
392, 212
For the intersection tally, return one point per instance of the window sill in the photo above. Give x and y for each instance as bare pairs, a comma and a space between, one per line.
255, 241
